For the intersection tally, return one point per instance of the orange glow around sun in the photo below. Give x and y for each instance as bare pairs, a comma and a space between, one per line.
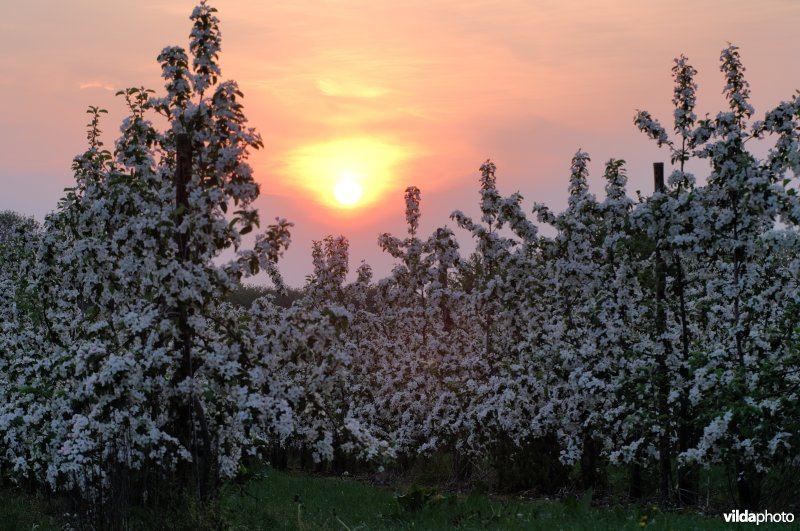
347, 173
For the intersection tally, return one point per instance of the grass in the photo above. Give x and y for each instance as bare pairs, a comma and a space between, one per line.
19, 512
302, 502
286, 501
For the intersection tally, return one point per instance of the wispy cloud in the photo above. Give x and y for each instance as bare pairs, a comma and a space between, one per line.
96, 84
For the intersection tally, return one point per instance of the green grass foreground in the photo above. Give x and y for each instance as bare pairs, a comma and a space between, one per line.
279, 500
297, 502
19, 512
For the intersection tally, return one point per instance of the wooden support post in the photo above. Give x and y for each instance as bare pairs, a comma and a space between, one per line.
658, 177
662, 368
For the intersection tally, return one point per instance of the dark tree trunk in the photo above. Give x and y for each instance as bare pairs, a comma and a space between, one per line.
748, 487
636, 482
306, 461
589, 478
447, 320
462, 466
279, 458
192, 428
688, 477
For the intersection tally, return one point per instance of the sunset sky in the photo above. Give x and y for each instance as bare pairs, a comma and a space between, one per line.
385, 94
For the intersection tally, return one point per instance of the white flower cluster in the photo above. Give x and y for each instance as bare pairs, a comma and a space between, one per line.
640, 332
661, 330
119, 363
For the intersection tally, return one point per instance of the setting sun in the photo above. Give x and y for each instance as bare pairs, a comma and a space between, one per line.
348, 191
348, 172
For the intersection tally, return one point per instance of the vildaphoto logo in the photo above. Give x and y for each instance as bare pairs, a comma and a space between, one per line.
764, 517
